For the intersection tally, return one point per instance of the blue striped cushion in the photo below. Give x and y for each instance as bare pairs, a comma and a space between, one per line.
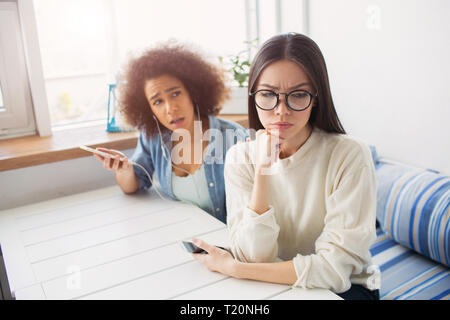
407, 275
413, 207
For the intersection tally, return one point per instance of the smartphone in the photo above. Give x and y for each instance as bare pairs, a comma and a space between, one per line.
103, 154
192, 248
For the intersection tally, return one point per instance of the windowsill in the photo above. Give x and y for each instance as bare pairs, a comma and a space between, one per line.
30, 151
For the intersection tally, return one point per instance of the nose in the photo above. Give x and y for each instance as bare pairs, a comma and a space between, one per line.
170, 107
282, 107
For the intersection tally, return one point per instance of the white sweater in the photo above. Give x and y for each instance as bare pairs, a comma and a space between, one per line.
322, 211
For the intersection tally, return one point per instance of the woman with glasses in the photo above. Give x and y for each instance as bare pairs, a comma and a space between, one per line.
172, 94
301, 197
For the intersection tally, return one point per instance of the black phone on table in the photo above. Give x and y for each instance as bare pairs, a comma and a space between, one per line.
192, 248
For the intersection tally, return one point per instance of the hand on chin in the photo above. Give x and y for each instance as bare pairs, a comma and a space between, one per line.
279, 134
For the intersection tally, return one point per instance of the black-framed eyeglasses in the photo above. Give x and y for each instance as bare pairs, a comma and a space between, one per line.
297, 100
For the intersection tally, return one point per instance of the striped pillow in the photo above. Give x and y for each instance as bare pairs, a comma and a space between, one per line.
413, 208
407, 275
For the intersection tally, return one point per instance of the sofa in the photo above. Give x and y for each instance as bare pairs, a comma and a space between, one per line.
412, 248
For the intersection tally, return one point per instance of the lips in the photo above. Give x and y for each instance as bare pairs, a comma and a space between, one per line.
281, 125
178, 122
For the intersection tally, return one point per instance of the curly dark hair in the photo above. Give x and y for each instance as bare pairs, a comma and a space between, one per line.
204, 81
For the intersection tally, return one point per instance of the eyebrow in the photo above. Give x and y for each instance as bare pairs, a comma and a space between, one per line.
291, 88
167, 90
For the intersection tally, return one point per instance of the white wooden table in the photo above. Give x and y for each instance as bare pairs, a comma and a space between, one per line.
103, 244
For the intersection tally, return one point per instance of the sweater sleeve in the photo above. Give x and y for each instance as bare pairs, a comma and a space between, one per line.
342, 249
253, 236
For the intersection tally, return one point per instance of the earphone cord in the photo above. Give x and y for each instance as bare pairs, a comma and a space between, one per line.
149, 178
164, 148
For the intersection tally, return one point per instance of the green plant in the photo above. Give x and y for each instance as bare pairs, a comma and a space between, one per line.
239, 64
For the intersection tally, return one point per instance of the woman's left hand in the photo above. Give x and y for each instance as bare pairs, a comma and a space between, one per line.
217, 259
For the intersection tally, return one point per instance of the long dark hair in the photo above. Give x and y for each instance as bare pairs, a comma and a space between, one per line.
304, 51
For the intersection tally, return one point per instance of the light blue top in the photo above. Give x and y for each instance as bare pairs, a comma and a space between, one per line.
193, 189
149, 154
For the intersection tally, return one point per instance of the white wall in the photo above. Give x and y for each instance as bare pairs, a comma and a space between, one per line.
389, 68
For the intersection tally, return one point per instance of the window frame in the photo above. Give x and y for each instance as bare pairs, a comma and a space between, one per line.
34, 66
25, 110
17, 116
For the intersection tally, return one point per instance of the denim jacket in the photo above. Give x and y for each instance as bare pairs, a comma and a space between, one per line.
149, 154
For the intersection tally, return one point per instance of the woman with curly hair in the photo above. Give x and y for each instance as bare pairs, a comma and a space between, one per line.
172, 94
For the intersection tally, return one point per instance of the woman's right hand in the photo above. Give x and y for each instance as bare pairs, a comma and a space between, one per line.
117, 162
267, 150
